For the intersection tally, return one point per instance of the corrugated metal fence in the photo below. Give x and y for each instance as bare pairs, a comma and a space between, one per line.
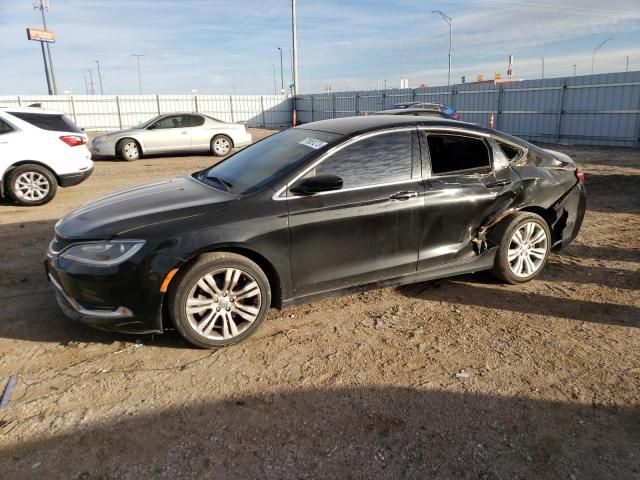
112, 112
599, 109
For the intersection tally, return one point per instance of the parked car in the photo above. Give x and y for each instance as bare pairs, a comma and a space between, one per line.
416, 112
175, 132
422, 108
39, 151
323, 209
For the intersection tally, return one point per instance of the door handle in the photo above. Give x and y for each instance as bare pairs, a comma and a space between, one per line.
499, 183
403, 195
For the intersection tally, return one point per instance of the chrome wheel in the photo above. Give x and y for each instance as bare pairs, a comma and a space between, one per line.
130, 150
527, 249
221, 146
32, 186
223, 304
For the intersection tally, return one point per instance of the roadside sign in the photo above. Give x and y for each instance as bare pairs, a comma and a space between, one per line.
41, 35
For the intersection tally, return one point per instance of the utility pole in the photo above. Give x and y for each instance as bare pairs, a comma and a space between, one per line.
86, 85
93, 92
627, 69
99, 77
294, 35
542, 68
447, 19
43, 5
574, 69
138, 55
596, 50
281, 74
274, 79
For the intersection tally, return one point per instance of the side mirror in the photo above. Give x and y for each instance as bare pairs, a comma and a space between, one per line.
317, 184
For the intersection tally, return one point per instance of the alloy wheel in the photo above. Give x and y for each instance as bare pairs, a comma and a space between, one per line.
32, 186
527, 249
223, 304
131, 150
221, 146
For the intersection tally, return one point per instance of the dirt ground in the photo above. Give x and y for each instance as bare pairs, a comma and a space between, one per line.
363, 386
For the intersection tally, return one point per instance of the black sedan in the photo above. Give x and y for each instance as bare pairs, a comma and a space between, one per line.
324, 209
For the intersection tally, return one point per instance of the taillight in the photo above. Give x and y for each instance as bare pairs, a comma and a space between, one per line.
579, 175
73, 140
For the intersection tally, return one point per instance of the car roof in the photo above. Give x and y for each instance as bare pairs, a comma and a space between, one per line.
357, 125
30, 110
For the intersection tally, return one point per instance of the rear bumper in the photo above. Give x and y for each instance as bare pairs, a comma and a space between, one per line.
71, 179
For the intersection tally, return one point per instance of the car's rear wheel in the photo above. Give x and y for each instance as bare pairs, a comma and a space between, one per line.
32, 185
219, 300
524, 242
221, 145
129, 150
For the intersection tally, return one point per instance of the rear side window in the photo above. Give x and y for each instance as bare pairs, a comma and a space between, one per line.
375, 160
196, 120
5, 127
47, 121
455, 153
510, 151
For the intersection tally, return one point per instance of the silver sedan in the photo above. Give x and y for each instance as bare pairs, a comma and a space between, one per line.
175, 132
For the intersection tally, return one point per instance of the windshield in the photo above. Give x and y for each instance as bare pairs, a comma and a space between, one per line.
147, 123
267, 160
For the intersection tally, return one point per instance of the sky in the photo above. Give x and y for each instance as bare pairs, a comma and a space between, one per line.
230, 46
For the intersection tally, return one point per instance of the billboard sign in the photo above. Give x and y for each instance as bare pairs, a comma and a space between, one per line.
41, 35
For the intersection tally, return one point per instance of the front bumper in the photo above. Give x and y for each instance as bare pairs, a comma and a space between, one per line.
71, 179
103, 149
125, 298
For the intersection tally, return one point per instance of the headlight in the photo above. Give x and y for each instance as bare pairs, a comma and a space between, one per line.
103, 254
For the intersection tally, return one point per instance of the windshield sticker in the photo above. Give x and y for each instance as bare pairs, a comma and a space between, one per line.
313, 143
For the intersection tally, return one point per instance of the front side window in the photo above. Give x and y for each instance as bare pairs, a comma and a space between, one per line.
173, 121
5, 127
457, 153
383, 158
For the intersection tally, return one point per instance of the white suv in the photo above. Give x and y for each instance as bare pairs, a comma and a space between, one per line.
39, 150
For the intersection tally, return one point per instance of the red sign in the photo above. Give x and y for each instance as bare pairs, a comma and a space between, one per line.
41, 35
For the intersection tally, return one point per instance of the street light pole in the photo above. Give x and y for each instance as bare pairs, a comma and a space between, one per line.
274, 79
542, 67
99, 77
447, 19
86, 85
93, 91
43, 5
294, 39
138, 55
281, 74
627, 69
574, 69
596, 50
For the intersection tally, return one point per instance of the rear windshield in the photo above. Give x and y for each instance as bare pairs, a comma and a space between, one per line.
264, 162
48, 121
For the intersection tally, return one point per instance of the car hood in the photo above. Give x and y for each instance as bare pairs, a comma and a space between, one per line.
133, 209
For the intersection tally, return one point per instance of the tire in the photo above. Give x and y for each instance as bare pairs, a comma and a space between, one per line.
217, 315
129, 149
518, 263
31, 185
221, 145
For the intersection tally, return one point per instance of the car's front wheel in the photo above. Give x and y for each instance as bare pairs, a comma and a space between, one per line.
219, 300
524, 243
129, 150
31, 185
